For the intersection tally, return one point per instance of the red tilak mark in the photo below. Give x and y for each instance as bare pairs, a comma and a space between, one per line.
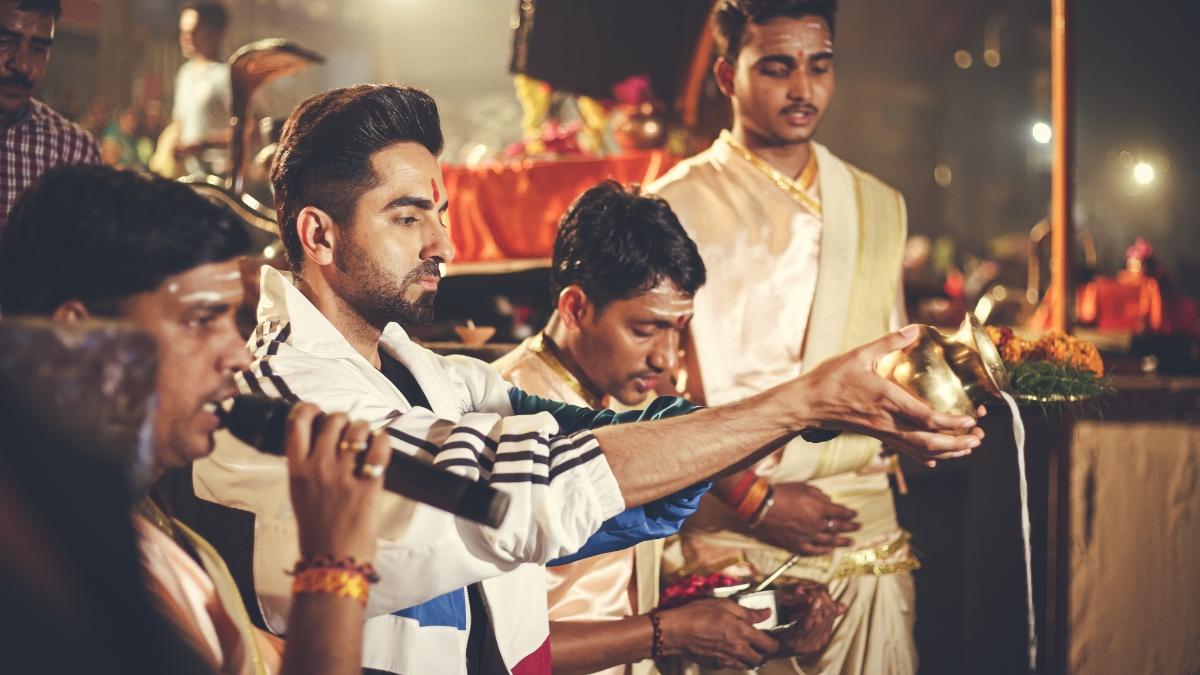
436, 195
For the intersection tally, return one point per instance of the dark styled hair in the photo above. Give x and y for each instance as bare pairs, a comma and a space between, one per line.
211, 14
616, 244
99, 235
731, 16
324, 153
53, 7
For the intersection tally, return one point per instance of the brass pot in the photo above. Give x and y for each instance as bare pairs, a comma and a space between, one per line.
644, 128
953, 373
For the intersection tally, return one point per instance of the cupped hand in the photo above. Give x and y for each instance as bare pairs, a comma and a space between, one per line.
805, 520
717, 634
814, 613
845, 392
335, 503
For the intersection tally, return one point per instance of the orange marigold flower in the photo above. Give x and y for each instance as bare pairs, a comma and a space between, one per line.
1060, 348
1012, 348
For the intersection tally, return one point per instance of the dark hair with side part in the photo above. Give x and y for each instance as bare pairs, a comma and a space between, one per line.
211, 14
324, 153
52, 7
729, 19
100, 235
616, 244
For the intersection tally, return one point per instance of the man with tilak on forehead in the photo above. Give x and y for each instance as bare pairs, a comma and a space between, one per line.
804, 259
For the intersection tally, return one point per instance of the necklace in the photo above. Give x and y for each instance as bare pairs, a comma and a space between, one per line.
796, 189
547, 351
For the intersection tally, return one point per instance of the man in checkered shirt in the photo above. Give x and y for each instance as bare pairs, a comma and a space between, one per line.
33, 138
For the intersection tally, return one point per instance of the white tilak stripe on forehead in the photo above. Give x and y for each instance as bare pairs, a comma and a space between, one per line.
207, 296
173, 287
798, 42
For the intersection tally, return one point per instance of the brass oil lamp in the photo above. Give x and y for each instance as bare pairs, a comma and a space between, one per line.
952, 373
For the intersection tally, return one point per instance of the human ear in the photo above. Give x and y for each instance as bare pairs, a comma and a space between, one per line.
723, 74
573, 306
317, 235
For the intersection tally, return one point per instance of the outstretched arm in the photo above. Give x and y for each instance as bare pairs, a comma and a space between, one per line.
657, 458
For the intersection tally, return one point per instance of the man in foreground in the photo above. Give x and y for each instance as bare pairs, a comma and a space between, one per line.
360, 200
33, 137
90, 242
622, 279
805, 259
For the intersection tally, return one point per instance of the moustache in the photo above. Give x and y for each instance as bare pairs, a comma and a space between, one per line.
16, 80
428, 268
800, 108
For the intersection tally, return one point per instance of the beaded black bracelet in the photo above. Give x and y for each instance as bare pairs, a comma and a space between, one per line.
656, 646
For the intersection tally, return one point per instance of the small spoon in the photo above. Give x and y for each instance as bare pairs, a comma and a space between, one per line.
775, 575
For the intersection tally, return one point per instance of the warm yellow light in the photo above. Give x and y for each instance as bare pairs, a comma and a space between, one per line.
1042, 133
991, 57
962, 59
1143, 173
942, 175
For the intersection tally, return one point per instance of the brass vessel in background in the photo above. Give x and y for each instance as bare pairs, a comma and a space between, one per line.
953, 373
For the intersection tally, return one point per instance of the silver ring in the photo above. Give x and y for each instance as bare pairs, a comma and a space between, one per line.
829, 524
371, 470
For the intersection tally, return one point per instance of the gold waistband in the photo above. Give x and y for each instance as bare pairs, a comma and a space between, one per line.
890, 557
886, 558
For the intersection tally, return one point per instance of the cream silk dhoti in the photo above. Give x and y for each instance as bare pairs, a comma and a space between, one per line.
751, 233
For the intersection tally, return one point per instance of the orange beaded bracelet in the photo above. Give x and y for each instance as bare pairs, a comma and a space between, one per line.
346, 583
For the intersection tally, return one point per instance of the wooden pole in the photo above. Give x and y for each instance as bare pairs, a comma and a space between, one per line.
1061, 280
1054, 657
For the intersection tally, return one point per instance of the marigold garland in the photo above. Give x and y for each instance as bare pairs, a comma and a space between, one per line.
1056, 367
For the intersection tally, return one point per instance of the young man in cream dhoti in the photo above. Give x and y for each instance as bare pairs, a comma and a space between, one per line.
803, 252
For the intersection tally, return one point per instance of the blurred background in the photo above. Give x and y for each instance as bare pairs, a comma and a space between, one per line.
947, 100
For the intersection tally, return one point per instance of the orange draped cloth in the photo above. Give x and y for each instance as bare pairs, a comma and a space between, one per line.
511, 211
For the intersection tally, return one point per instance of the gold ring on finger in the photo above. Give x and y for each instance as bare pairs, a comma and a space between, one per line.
352, 446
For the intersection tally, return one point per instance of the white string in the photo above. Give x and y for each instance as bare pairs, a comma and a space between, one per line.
1019, 437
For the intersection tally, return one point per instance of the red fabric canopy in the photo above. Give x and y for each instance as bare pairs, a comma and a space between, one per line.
511, 211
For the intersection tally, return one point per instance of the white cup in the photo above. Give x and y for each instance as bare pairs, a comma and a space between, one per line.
761, 600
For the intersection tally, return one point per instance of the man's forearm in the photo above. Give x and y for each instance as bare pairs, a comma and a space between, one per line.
654, 459
589, 646
324, 636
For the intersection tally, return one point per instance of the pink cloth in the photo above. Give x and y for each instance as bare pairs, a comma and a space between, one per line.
187, 594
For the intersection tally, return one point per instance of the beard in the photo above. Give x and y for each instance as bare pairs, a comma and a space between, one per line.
373, 292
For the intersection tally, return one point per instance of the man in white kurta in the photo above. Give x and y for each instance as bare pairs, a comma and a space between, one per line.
803, 252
